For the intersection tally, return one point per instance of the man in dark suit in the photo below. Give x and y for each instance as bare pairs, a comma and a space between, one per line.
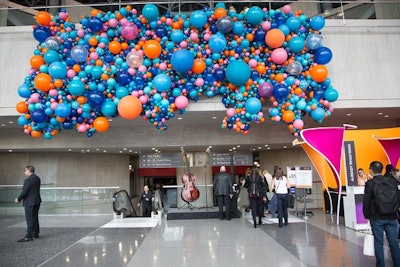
382, 222
31, 200
224, 191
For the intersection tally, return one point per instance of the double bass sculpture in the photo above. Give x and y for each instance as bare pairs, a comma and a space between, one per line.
189, 191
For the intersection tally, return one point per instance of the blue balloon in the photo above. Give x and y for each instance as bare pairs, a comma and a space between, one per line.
22, 120
238, 28
314, 41
219, 74
62, 110
150, 12
40, 33
331, 95
317, 23
259, 36
121, 91
38, 116
124, 78
217, 43
177, 36
198, 19
95, 24
280, 92
76, 88
318, 114
96, 99
109, 108
182, 60
225, 24
253, 105
296, 44
51, 56
322, 55
162, 82
238, 72
293, 23
254, 15
58, 70
24, 91
79, 53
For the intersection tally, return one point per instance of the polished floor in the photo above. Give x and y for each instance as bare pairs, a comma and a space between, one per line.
102, 240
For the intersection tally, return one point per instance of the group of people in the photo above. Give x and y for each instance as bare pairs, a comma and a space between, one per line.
256, 189
381, 207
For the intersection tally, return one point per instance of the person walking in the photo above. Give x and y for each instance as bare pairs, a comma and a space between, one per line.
30, 196
281, 185
381, 213
223, 189
257, 193
146, 201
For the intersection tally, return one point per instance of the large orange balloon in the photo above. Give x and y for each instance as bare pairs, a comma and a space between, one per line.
152, 49
22, 107
114, 47
319, 73
219, 12
129, 107
198, 66
36, 61
274, 38
42, 82
101, 124
43, 18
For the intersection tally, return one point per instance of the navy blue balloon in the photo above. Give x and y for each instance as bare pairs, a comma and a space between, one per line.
123, 78
38, 116
219, 74
259, 36
95, 24
280, 92
96, 99
161, 31
67, 125
40, 33
322, 55
318, 94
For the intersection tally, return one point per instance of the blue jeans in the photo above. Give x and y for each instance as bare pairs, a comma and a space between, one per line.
391, 228
282, 208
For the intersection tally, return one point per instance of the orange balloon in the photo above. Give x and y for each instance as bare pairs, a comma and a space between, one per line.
114, 47
279, 77
288, 116
152, 49
36, 61
43, 18
198, 66
101, 124
129, 107
42, 82
219, 12
319, 73
36, 134
22, 107
275, 38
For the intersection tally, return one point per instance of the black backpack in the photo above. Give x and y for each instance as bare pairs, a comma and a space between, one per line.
386, 196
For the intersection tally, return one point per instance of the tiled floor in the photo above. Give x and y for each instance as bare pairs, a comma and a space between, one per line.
314, 241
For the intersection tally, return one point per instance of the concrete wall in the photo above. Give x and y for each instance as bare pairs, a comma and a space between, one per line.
67, 169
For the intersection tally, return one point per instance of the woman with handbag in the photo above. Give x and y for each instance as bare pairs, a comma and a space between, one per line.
281, 185
257, 193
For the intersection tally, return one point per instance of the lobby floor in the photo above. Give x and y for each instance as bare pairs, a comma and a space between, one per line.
101, 240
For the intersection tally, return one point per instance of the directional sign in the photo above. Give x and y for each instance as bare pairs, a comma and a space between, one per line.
154, 160
224, 159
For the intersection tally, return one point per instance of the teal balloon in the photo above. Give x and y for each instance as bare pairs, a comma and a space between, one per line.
318, 114
182, 60
62, 110
198, 19
253, 105
162, 82
296, 44
331, 95
109, 108
217, 43
58, 70
150, 12
238, 72
293, 23
254, 15
317, 23
76, 88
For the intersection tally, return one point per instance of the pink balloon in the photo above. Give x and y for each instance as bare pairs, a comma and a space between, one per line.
298, 124
181, 102
286, 9
252, 63
266, 25
230, 112
199, 82
129, 31
112, 23
143, 99
279, 55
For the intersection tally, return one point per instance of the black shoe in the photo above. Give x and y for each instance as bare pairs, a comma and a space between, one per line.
286, 223
228, 219
260, 222
255, 225
281, 225
36, 236
246, 210
25, 239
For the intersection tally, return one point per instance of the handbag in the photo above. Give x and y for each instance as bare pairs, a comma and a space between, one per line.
369, 249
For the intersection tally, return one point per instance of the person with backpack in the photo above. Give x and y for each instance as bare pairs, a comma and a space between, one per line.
380, 205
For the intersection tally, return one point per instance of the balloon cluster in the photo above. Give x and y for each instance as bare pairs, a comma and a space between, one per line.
128, 64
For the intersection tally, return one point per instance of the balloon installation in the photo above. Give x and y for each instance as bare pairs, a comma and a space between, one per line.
137, 63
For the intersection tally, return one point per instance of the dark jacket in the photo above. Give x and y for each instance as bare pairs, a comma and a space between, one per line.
254, 179
31, 191
146, 198
369, 204
223, 184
